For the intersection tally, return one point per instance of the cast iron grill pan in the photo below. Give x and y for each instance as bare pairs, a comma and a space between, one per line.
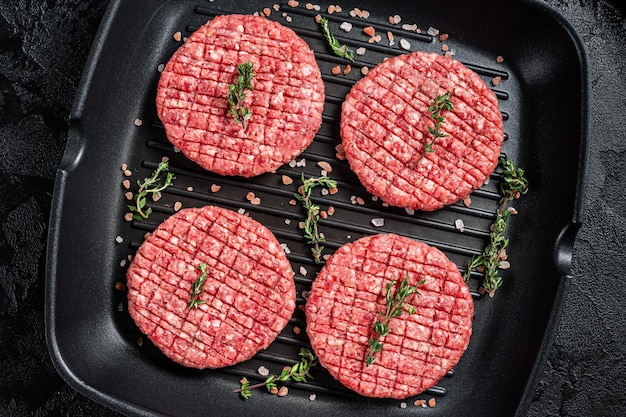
152, 384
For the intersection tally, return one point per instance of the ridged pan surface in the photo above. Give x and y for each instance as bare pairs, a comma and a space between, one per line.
96, 346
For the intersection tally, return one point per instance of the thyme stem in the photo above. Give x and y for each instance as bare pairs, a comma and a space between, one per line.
311, 231
335, 46
514, 185
196, 288
442, 102
151, 185
299, 372
395, 304
237, 94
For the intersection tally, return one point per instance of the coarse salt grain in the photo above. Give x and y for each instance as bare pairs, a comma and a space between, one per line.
346, 26
161, 67
325, 166
409, 211
458, 223
241, 211
177, 36
405, 44
287, 221
378, 222
409, 27
138, 122
255, 201
128, 217
178, 205
365, 70
360, 51
128, 195
312, 397
215, 188
496, 80
283, 391
419, 403
301, 163
128, 173
402, 404
504, 265
285, 248
432, 402
263, 371
119, 239
286, 180
369, 30
432, 31
303, 271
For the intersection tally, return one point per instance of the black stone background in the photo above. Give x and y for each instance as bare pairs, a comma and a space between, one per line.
43, 47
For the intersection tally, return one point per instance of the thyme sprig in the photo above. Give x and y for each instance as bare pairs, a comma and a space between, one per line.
237, 94
514, 185
311, 232
395, 307
196, 288
340, 50
442, 102
151, 185
299, 372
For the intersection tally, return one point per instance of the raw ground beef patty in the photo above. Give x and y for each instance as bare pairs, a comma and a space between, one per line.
384, 129
286, 101
249, 292
421, 348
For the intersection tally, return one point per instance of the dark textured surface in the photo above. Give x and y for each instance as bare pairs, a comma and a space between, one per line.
43, 46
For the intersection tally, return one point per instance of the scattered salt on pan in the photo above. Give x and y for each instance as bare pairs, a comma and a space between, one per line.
504, 265
409, 211
123, 263
241, 211
303, 271
378, 222
285, 248
458, 223
325, 191
301, 163
408, 27
176, 149
487, 181
346, 26
432, 31
160, 67
263, 371
292, 163
119, 239
287, 221
405, 44
360, 51
312, 397
403, 405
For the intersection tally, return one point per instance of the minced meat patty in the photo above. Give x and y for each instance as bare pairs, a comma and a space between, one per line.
247, 299
421, 348
384, 130
286, 100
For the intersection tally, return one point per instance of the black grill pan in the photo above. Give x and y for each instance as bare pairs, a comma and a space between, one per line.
543, 97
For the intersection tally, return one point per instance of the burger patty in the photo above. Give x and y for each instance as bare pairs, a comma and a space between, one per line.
384, 129
345, 301
247, 299
286, 100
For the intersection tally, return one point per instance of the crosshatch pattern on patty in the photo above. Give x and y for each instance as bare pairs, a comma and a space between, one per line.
384, 128
420, 348
286, 101
249, 293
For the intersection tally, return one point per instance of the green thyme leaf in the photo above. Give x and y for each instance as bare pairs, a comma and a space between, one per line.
395, 307
335, 46
152, 185
488, 262
237, 94
311, 232
197, 287
298, 372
